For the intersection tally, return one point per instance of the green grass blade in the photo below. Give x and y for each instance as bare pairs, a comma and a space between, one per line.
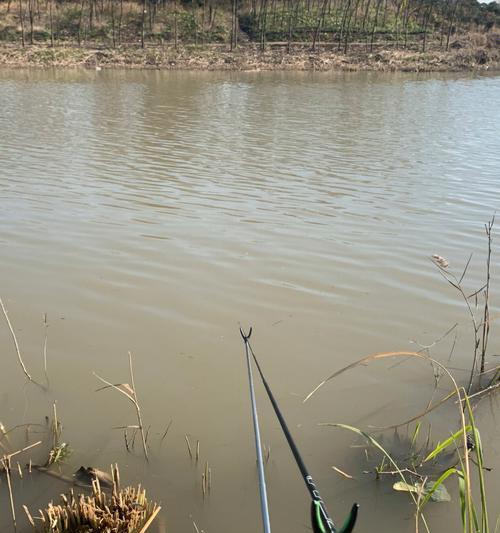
480, 465
443, 445
463, 499
415, 435
445, 475
475, 519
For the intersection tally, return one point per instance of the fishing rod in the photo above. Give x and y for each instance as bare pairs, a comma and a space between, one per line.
258, 449
321, 521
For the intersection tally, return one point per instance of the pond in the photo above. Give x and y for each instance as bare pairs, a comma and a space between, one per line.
156, 212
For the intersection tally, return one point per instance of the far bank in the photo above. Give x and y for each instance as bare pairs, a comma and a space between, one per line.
248, 57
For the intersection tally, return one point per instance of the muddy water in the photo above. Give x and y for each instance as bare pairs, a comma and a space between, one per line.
155, 212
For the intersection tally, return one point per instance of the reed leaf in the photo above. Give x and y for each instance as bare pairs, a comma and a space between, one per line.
450, 440
442, 478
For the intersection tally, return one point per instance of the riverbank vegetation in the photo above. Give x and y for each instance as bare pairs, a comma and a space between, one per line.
280, 32
420, 467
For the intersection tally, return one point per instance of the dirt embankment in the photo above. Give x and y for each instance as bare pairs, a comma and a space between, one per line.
462, 56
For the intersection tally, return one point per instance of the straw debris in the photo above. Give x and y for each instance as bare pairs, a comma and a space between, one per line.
125, 510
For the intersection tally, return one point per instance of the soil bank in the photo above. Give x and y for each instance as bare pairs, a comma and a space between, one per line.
251, 58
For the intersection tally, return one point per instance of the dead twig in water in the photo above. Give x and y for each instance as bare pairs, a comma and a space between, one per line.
189, 447
44, 350
4, 435
131, 393
55, 428
165, 434
5, 462
486, 310
6, 465
126, 440
16, 344
26, 448
342, 473
267, 451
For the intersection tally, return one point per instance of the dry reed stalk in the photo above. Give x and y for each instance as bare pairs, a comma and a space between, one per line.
486, 310
137, 407
344, 474
16, 344
44, 350
6, 466
267, 450
206, 480
5, 462
481, 328
55, 427
131, 393
28, 514
189, 447
165, 434
125, 510
26, 448
5, 435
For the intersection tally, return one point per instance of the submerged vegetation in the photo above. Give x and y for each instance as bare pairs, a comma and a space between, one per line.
286, 27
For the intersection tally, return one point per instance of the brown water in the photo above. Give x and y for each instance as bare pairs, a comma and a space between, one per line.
155, 212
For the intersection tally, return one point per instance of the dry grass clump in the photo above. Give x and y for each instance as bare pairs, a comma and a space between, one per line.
123, 511
490, 39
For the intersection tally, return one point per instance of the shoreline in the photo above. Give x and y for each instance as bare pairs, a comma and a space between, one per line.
249, 57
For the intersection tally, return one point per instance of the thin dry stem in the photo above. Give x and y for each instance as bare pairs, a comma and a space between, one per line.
10, 455
16, 344
189, 447
131, 394
44, 350
6, 465
55, 428
137, 407
486, 309
166, 432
